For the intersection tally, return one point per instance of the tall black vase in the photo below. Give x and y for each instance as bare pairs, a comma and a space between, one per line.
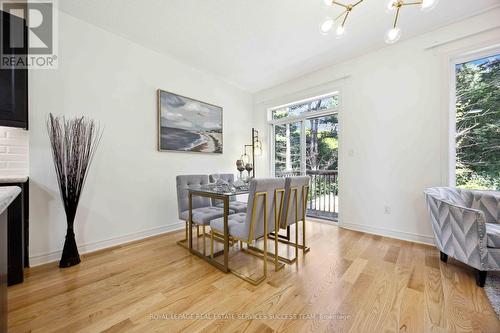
70, 256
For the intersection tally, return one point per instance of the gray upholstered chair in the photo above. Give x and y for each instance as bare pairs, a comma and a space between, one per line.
294, 211
203, 212
237, 206
466, 225
264, 200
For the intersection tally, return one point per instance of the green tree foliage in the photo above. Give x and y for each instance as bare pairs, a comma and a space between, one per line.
478, 124
322, 143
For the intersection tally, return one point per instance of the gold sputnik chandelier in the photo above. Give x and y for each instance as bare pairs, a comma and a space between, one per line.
391, 36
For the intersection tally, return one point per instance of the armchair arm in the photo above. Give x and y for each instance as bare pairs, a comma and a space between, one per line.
460, 231
489, 203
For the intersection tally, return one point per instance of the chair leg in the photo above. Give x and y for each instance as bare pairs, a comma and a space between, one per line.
303, 236
211, 244
204, 244
184, 242
297, 241
276, 256
444, 256
265, 252
480, 278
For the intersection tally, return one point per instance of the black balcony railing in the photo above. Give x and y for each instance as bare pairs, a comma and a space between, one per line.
323, 193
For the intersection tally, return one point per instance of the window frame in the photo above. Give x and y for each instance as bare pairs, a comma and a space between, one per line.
461, 58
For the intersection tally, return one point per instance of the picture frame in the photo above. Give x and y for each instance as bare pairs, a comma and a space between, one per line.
186, 124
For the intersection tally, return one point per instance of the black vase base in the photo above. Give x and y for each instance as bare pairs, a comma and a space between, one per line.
69, 262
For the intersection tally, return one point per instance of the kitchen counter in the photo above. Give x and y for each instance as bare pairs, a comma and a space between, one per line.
13, 179
7, 195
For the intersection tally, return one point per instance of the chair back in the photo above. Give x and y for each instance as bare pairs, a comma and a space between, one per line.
264, 201
228, 177
185, 182
296, 193
452, 195
486, 201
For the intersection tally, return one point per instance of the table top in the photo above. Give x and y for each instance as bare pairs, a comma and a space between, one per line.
208, 191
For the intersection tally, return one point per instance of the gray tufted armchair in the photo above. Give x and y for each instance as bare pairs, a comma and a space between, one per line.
203, 211
264, 202
466, 225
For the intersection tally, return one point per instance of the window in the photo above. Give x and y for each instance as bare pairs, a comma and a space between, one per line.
314, 105
477, 136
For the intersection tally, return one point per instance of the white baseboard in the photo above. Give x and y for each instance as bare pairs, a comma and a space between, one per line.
401, 235
322, 221
44, 258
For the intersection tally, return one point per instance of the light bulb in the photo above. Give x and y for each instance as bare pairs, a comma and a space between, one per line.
326, 25
257, 148
392, 35
245, 158
340, 31
391, 5
428, 5
328, 3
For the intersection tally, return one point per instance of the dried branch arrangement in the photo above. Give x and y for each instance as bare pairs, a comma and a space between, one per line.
74, 143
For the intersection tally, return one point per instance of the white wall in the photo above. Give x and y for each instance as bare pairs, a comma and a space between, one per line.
395, 107
130, 192
14, 155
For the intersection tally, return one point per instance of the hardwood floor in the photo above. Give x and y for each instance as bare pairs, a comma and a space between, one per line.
359, 282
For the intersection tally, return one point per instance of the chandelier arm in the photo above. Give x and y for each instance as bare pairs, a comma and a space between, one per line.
339, 4
396, 18
345, 18
411, 3
340, 15
357, 3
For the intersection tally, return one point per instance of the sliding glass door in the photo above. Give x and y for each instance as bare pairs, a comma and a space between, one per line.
322, 151
305, 142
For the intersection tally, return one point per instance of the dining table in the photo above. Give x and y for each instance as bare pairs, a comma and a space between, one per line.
223, 195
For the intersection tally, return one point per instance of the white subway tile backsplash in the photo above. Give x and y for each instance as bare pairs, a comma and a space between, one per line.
13, 157
13, 142
16, 133
14, 152
17, 165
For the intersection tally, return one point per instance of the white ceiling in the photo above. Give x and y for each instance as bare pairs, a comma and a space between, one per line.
257, 44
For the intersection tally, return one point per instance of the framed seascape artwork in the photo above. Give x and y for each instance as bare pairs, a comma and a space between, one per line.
186, 124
